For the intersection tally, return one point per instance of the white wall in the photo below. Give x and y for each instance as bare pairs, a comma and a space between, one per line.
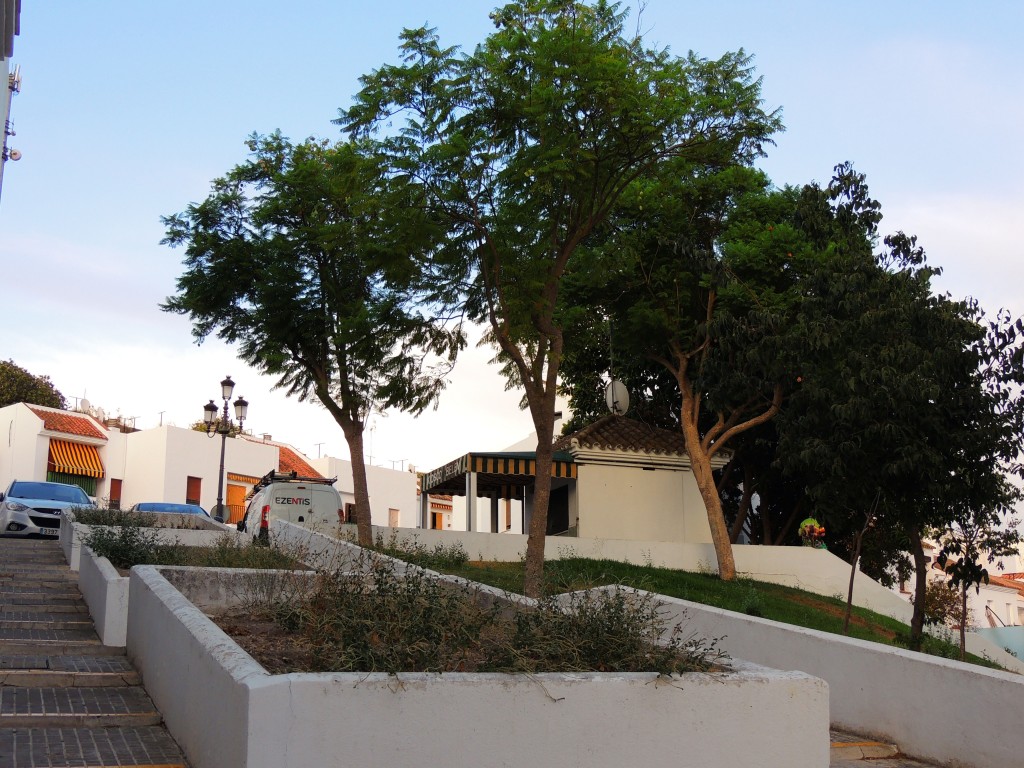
630, 503
23, 450
159, 460
932, 708
248, 717
388, 489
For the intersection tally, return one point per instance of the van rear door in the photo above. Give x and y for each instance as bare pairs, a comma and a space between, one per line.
292, 502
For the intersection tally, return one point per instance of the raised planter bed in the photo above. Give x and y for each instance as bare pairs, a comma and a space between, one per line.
224, 709
189, 530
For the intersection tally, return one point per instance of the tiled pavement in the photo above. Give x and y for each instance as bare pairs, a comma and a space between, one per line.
66, 699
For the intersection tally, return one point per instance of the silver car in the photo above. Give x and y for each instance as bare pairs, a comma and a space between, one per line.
32, 508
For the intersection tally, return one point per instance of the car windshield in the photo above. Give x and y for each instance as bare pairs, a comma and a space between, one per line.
49, 492
160, 506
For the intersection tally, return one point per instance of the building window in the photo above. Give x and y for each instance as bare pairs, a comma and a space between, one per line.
193, 489
392, 518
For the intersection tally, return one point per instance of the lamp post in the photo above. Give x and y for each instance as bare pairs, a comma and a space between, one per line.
223, 429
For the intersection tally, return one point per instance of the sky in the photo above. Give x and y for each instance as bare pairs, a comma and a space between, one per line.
128, 110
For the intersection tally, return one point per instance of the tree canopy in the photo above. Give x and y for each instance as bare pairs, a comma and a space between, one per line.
294, 256
17, 385
525, 147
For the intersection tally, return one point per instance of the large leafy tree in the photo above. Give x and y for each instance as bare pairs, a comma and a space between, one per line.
707, 265
525, 146
17, 385
908, 414
294, 257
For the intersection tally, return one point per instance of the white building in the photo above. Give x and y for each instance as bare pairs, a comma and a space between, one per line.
121, 466
615, 479
393, 493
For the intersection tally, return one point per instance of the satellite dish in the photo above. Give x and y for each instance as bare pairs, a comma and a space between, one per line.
15, 154
84, 405
617, 397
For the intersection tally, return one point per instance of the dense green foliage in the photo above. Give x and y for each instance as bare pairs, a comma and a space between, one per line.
19, 386
522, 151
296, 257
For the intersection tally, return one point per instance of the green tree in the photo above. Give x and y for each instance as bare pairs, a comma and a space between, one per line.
294, 257
705, 265
19, 386
525, 147
908, 411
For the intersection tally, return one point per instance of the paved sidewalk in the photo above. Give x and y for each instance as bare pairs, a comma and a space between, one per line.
66, 699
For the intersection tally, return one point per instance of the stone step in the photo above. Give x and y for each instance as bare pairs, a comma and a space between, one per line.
38, 620
94, 707
849, 747
67, 671
70, 608
145, 747
39, 592
27, 602
72, 642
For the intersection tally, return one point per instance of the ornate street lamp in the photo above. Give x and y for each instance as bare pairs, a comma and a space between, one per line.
223, 429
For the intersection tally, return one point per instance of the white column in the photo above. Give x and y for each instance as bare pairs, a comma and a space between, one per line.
470, 500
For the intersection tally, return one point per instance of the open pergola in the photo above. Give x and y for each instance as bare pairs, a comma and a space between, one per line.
495, 476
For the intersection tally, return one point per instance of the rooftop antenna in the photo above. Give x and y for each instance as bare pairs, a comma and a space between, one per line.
318, 449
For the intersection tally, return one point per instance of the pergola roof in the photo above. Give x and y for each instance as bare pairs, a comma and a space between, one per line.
502, 474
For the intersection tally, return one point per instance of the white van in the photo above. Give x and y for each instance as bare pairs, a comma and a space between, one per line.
312, 502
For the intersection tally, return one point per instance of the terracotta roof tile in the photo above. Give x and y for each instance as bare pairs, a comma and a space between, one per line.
613, 432
68, 423
291, 461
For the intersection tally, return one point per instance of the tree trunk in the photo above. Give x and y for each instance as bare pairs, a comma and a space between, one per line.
533, 577
858, 540
745, 502
963, 623
364, 531
920, 584
700, 463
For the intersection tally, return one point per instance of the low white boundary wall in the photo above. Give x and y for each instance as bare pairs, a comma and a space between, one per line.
226, 711
106, 593
936, 709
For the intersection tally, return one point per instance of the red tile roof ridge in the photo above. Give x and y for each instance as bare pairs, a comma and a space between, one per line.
614, 432
67, 422
289, 459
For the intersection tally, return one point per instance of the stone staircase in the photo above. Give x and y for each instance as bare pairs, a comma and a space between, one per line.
66, 699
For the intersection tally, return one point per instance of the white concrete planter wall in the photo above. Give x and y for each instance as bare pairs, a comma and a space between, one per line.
947, 711
72, 534
247, 717
106, 593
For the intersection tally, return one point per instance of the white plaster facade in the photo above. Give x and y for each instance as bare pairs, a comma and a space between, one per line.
393, 494
637, 497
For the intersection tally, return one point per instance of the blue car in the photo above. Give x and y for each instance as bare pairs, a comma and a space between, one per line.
166, 506
33, 508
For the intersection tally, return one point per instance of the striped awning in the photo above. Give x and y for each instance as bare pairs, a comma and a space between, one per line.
503, 475
75, 459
